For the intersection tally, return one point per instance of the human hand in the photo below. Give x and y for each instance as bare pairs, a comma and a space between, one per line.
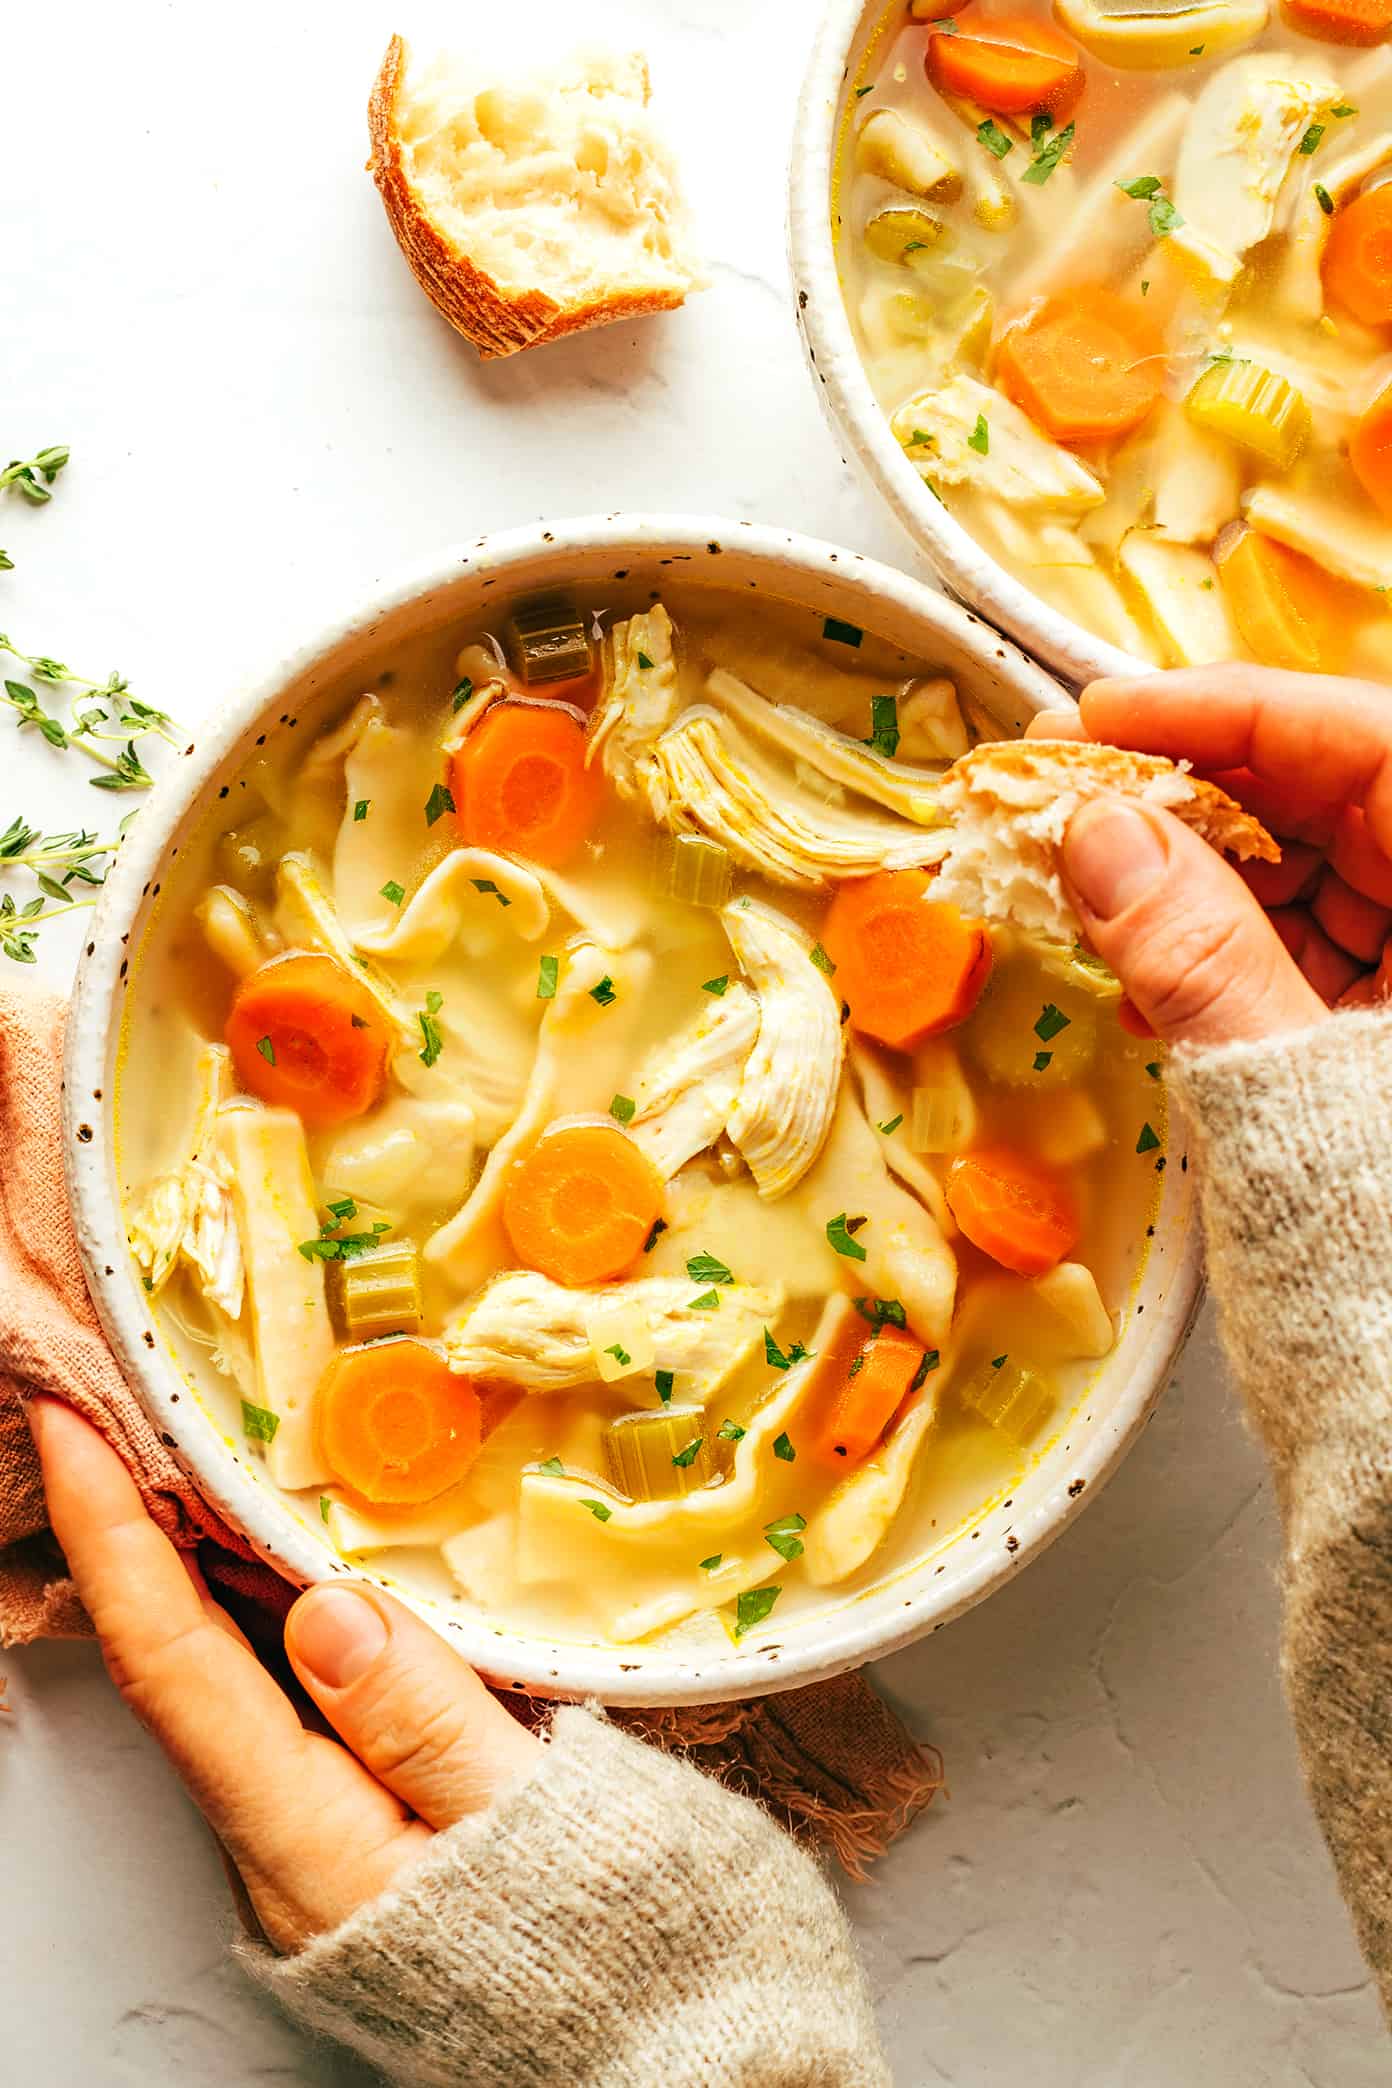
313, 1829
1210, 954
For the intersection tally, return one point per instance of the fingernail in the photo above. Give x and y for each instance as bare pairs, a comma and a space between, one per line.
337, 1634
1112, 856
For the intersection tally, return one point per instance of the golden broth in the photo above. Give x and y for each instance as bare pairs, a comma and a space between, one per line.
1217, 527
529, 1550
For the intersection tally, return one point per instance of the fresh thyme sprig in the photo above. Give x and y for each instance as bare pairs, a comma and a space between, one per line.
58, 863
109, 703
31, 478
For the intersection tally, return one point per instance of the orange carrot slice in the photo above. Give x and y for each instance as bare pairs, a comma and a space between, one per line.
1370, 451
1086, 366
582, 1203
1012, 1209
306, 1035
395, 1424
1013, 64
907, 965
869, 1392
520, 783
1342, 21
1358, 258
1289, 610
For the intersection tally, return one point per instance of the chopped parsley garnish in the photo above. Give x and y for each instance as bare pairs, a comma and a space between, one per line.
784, 1536
266, 1049
1051, 1021
1148, 188
857, 1365
861, 92
777, 1359
621, 1108
1324, 199
931, 1359
689, 1455
1310, 142
1047, 154
547, 973
1042, 1061
360, 808
946, 27
644, 662
440, 801
463, 690
1154, 1069
600, 1510
1147, 1142
431, 1033
842, 633
1196, 50
881, 1312
994, 139
884, 727
1343, 109
704, 1268
980, 436
553, 1468
620, 1354
324, 1506
892, 1125
709, 1301
490, 890
343, 1210
839, 1236
1145, 287
393, 892
709, 1565
752, 1607
605, 994
717, 986
730, 1432
664, 1380
659, 1227
783, 1448
333, 1245
821, 960
259, 1424
999, 1362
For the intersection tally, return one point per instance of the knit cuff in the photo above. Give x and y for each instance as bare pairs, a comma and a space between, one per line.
1294, 1139
619, 1919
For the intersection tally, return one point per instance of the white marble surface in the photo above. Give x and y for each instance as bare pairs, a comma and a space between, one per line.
200, 295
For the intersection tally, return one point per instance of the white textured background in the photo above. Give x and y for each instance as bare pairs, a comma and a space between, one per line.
198, 292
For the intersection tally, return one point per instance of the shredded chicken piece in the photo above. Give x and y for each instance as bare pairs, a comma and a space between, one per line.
687, 1088
526, 1330
787, 1096
846, 762
189, 1214
642, 697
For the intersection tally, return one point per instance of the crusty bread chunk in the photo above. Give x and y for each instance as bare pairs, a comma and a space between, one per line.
532, 208
1008, 804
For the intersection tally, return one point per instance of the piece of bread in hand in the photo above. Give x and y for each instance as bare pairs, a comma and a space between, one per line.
1008, 804
532, 208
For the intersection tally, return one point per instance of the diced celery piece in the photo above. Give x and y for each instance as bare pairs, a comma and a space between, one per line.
1033, 1031
1254, 407
1010, 1397
692, 869
942, 1113
380, 1290
547, 641
649, 1456
905, 234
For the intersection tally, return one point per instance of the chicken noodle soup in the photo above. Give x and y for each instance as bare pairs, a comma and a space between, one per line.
1120, 272
601, 1178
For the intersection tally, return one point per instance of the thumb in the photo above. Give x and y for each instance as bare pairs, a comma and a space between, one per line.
1180, 929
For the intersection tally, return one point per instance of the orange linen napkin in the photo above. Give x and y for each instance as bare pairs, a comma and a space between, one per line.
831, 1760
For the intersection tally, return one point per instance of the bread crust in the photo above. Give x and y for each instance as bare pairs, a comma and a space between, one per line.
497, 321
1098, 770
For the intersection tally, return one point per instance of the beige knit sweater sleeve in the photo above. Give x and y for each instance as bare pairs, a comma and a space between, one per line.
1295, 1148
620, 1921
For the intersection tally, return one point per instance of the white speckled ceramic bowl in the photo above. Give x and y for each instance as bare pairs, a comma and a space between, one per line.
848, 30
846, 1629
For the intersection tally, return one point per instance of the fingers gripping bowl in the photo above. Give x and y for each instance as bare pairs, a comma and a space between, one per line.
508, 1161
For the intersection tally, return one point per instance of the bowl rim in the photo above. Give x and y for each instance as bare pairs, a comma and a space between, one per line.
880, 1622
855, 414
